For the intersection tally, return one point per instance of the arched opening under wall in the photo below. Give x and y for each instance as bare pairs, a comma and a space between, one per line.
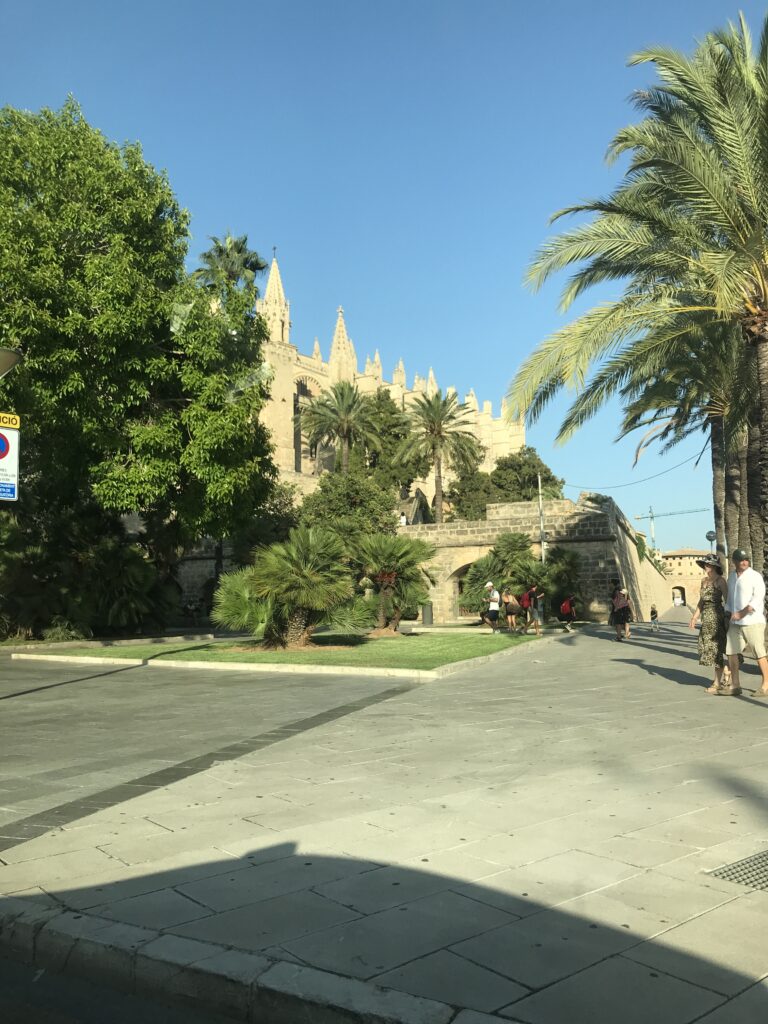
678, 597
456, 592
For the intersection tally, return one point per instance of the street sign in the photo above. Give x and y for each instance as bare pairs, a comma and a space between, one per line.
9, 456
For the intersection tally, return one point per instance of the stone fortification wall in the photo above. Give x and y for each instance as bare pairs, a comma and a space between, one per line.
601, 534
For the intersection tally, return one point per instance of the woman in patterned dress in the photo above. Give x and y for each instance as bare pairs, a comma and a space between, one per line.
714, 591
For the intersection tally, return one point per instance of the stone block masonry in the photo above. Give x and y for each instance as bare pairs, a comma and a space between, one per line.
598, 531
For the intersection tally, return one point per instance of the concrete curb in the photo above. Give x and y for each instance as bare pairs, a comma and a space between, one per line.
242, 985
414, 675
131, 642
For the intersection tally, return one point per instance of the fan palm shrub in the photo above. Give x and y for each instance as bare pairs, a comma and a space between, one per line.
292, 588
396, 566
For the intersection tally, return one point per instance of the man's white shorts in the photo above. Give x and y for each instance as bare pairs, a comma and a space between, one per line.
740, 637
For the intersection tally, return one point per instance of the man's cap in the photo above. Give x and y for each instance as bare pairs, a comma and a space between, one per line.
488, 584
740, 556
623, 591
713, 560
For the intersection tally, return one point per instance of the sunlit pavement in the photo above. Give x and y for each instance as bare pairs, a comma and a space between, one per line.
531, 839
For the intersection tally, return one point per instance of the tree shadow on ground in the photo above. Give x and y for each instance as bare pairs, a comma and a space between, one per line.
494, 944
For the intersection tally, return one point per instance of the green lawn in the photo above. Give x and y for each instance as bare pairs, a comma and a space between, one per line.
423, 651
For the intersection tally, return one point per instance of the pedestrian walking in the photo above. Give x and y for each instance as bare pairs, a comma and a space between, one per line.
527, 599
714, 629
622, 613
568, 613
491, 615
654, 619
537, 608
511, 609
746, 603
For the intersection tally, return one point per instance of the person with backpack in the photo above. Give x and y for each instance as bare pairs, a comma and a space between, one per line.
525, 602
568, 613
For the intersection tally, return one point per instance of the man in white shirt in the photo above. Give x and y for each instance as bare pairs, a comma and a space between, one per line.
492, 597
746, 603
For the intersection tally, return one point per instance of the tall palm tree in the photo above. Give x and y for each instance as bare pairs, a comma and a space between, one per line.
440, 432
343, 417
229, 261
687, 229
698, 387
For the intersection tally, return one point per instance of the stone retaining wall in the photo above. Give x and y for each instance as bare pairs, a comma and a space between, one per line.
600, 533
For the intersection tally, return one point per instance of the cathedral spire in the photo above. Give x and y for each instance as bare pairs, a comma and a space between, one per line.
275, 308
343, 359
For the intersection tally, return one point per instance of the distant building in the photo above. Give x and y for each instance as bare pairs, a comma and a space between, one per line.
298, 378
683, 574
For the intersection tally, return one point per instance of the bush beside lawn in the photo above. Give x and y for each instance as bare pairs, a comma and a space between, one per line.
417, 651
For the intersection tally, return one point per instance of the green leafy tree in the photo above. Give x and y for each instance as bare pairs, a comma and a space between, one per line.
131, 390
441, 433
396, 566
343, 417
351, 504
514, 478
686, 230
273, 521
292, 588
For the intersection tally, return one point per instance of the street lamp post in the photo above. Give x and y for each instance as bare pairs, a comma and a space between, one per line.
711, 537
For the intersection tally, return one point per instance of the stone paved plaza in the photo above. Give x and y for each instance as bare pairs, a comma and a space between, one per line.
530, 841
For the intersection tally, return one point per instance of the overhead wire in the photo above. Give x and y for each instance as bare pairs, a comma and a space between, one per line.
632, 483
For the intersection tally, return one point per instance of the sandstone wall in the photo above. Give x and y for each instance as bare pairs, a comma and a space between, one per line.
601, 534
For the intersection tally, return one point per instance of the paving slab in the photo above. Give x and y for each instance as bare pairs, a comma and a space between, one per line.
448, 847
718, 949
616, 990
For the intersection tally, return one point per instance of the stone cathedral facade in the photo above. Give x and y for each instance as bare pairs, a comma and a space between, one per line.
298, 378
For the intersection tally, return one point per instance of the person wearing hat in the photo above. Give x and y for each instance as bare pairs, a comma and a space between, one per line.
491, 616
622, 613
714, 628
746, 603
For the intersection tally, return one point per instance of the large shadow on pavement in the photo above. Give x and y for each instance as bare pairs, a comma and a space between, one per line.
495, 944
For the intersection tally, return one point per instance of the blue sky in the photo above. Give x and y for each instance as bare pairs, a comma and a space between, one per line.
404, 157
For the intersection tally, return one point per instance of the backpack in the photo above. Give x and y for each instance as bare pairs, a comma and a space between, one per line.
525, 600
565, 607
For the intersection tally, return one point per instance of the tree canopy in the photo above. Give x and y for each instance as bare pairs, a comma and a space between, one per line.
135, 395
514, 478
352, 504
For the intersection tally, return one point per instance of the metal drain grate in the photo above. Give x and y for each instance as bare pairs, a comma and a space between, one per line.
752, 871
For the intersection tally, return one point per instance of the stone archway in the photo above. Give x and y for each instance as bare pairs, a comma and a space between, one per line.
678, 596
455, 587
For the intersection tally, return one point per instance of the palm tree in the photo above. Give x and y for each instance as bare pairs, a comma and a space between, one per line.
229, 261
340, 416
292, 588
396, 567
700, 387
687, 229
440, 432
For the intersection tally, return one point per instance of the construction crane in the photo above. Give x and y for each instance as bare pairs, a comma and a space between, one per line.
653, 516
